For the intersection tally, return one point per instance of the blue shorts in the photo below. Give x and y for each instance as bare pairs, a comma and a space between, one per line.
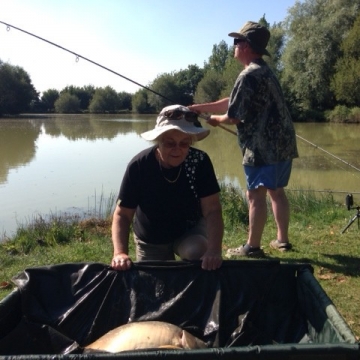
270, 176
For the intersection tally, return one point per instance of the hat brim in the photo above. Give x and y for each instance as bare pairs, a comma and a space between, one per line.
237, 35
257, 49
199, 133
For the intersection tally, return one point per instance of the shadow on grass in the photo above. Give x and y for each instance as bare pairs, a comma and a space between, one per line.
346, 265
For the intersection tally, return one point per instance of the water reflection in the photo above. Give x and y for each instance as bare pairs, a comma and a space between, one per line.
17, 144
328, 158
58, 163
81, 127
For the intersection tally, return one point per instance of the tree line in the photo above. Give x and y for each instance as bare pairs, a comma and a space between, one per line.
315, 53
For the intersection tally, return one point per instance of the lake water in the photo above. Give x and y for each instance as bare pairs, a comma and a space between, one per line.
56, 164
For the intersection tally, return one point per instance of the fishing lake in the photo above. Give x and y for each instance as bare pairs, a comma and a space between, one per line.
74, 163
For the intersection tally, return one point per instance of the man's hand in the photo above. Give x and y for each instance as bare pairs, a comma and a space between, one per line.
211, 121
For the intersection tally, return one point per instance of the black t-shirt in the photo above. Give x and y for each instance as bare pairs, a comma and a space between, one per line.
164, 210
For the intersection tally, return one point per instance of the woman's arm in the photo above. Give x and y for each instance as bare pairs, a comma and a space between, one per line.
120, 229
212, 212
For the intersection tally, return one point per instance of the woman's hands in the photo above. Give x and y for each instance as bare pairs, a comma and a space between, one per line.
121, 262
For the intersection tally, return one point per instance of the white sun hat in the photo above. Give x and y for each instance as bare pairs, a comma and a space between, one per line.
177, 117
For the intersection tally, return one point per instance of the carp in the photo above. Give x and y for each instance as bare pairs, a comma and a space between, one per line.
146, 335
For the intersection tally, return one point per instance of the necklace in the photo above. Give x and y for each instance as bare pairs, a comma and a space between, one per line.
168, 180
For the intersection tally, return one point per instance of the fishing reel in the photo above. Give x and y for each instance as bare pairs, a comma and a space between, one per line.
349, 202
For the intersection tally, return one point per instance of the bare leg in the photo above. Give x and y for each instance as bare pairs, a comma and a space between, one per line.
281, 210
257, 215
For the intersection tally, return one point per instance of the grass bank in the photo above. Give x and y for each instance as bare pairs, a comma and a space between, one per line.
315, 231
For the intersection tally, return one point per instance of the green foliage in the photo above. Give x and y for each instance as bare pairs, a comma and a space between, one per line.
175, 88
229, 76
340, 114
234, 206
187, 81
210, 87
217, 60
165, 85
84, 94
42, 233
67, 104
48, 99
309, 202
139, 101
346, 81
355, 115
73, 99
105, 100
16, 90
124, 100
310, 115
276, 48
344, 114
315, 29
221, 71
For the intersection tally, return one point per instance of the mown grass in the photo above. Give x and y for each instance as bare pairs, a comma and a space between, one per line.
315, 231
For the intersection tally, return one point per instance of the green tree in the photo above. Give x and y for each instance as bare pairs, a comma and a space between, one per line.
16, 90
220, 73
124, 100
177, 87
48, 99
229, 76
210, 87
346, 81
276, 48
315, 29
84, 94
105, 100
187, 81
67, 104
139, 102
165, 85
217, 60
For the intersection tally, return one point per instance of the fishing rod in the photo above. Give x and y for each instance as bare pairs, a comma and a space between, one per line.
327, 152
317, 147
323, 191
78, 56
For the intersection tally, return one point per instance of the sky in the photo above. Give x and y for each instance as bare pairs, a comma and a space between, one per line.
138, 39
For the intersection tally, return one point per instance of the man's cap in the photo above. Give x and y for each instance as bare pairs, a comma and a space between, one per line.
256, 35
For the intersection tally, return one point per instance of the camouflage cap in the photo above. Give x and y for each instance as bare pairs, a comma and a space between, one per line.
256, 35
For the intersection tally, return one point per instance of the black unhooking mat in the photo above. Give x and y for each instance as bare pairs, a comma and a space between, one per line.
245, 309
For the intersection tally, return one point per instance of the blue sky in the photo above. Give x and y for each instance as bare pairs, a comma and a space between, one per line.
139, 39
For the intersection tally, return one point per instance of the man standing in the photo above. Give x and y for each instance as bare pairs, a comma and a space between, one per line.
266, 137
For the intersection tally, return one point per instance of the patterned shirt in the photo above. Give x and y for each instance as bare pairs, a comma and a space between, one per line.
266, 132
165, 210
